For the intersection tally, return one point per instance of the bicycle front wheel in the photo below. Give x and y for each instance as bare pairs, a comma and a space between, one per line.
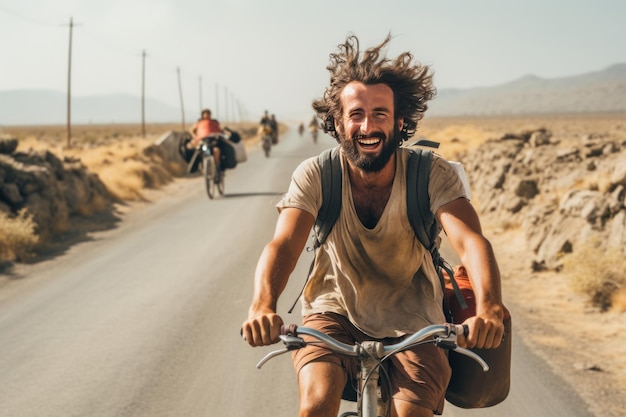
219, 180
208, 166
267, 146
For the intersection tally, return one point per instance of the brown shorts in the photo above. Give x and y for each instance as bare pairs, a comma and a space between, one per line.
419, 375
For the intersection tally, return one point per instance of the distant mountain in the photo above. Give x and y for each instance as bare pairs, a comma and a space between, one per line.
601, 91
40, 107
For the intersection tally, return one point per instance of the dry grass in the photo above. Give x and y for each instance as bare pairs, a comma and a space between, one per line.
454, 138
97, 204
87, 135
17, 236
597, 274
115, 155
114, 152
618, 302
123, 167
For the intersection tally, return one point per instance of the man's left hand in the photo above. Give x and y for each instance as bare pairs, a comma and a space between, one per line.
484, 333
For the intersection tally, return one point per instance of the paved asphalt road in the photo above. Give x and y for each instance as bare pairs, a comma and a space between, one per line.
144, 320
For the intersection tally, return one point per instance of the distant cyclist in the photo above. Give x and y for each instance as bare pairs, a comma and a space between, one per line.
266, 133
274, 127
265, 120
203, 128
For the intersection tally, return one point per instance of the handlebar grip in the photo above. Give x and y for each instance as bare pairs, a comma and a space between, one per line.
289, 329
461, 329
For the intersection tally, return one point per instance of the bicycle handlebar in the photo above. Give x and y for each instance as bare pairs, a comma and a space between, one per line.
443, 335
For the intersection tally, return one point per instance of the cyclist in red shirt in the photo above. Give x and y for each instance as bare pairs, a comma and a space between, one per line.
204, 127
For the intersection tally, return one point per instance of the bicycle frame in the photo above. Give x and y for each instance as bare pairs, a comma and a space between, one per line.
371, 354
213, 175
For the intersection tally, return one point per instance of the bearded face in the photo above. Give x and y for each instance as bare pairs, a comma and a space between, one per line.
367, 130
366, 161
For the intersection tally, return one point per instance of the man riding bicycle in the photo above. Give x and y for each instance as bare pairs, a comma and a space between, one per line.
372, 279
206, 127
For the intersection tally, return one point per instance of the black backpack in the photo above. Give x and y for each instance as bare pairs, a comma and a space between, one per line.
422, 220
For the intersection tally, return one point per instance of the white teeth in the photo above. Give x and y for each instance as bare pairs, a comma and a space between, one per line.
372, 141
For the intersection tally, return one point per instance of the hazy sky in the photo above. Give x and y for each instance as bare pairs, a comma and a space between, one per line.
272, 54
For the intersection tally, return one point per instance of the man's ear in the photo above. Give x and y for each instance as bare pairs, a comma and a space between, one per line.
403, 129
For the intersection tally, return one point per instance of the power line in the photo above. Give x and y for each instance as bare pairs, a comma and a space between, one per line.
109, 45
229, 98
29, 19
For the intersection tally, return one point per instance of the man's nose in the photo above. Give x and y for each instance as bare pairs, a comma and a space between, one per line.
366, 125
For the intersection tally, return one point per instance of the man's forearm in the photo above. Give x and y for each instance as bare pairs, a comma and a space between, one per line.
271, 277
480, 262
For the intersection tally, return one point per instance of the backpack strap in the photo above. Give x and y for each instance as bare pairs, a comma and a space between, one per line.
330, 168
421, 218
329, 162
418, 203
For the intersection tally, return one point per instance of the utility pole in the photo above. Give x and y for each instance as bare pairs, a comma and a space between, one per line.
69, 89
180, 93
239, 109
143, 93
233, 103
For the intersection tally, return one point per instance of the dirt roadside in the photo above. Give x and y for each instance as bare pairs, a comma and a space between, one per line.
581, 344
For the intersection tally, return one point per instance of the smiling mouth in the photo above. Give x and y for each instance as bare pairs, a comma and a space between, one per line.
368, 141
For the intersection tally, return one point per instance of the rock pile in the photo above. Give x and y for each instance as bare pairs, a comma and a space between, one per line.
50, 189
563, 194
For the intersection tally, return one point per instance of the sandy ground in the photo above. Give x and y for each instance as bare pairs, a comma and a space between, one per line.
582, 345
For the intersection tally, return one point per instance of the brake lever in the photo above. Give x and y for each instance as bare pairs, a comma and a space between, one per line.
474, 356
291, 343
449, 342
270, 356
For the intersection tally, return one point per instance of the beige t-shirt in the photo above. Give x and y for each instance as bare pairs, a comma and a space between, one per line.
382, 279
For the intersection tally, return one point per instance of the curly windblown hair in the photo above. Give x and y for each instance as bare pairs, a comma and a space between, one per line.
410, 82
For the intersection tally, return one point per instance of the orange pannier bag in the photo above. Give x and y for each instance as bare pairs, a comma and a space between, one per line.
470, 386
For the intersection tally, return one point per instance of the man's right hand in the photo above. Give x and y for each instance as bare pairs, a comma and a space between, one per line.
262, 329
